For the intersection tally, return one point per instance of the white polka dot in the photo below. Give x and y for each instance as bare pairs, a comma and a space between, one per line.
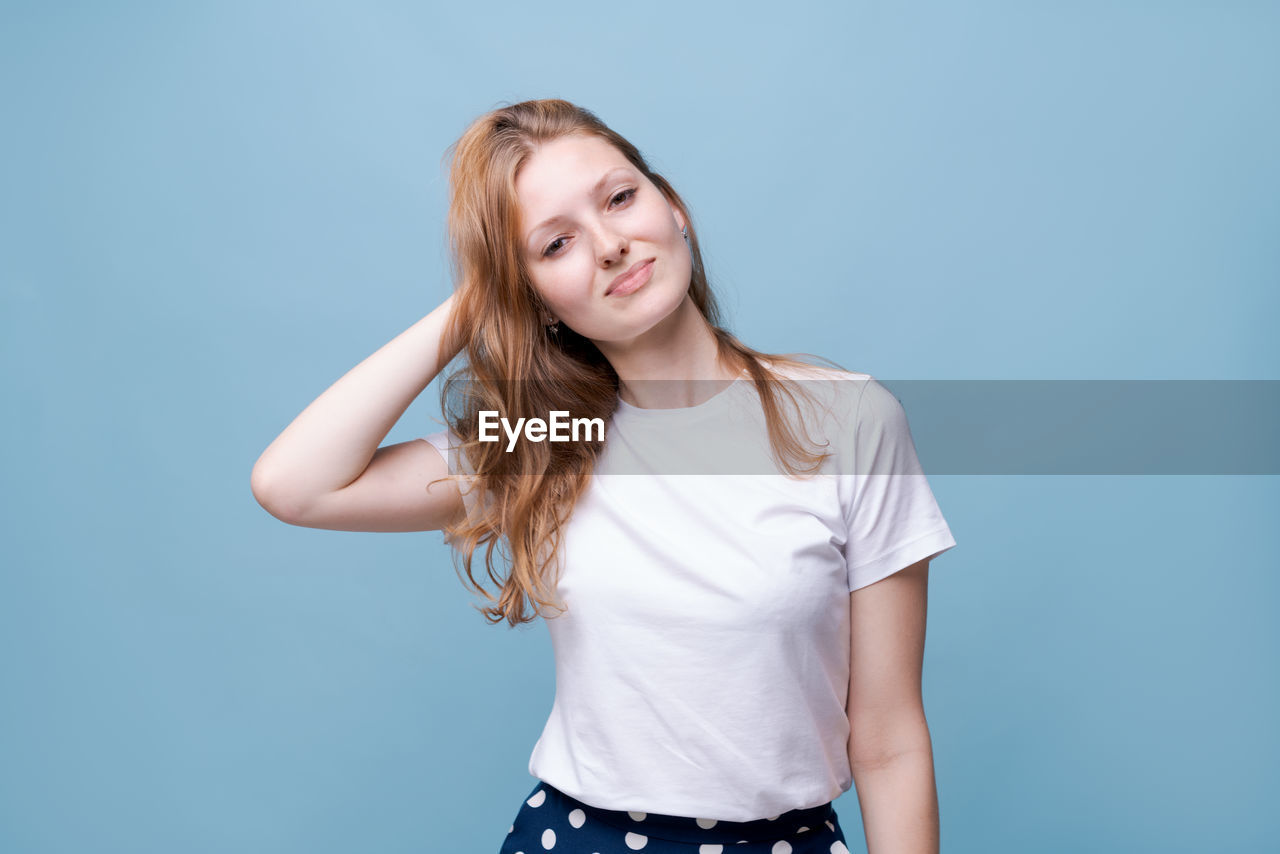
706, 823
577, 817
710, 849
513, 827
802, 830
548, 839
635, 841
837, 847
774, 817
830, 825
637, 816
781, 847
537, 798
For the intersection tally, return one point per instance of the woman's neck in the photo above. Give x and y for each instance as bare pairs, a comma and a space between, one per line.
675, 364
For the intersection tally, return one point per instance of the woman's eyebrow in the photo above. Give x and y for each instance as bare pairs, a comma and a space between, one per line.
604, 179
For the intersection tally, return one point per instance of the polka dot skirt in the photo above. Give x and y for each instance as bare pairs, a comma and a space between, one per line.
550, 820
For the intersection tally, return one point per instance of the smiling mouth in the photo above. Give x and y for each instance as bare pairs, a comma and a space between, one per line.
632, 279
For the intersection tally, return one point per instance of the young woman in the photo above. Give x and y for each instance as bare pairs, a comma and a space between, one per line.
732, 565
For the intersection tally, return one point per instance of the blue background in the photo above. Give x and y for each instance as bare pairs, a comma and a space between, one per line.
210, 213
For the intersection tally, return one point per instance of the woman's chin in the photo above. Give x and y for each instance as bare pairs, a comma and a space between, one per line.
657, 318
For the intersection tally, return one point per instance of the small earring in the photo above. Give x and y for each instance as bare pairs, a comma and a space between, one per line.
554, 327
685, 232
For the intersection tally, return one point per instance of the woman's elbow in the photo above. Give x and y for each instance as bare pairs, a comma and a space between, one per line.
272, 498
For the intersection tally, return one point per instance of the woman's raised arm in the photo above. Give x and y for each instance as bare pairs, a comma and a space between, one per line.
326, 469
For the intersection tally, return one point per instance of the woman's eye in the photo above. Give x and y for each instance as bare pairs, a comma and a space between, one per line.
618, 199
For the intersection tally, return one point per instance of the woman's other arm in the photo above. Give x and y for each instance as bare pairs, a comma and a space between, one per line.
890, 751
326, 469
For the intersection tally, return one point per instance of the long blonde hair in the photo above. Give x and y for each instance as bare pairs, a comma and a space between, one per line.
514, 366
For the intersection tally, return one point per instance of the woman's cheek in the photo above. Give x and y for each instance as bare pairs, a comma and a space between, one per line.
581, 278
569, 287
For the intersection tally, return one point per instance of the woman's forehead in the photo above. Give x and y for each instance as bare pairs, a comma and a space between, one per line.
567, 171
568, 163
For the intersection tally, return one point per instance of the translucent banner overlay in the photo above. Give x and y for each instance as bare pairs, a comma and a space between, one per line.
965, 427
1093, 426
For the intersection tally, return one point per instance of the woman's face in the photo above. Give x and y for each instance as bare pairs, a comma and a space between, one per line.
589, 218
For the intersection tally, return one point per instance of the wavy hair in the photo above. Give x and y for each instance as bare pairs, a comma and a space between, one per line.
515, 366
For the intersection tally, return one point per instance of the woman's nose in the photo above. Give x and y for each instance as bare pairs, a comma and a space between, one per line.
610, 246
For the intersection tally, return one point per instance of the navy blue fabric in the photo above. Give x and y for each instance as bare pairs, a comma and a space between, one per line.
550, 820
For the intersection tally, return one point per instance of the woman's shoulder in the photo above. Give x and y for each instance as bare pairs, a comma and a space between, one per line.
830, 396
799, 370
832, 384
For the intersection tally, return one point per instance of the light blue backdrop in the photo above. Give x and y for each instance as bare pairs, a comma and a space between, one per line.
210, 213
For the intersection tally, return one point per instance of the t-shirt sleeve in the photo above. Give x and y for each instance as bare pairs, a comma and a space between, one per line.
448, 444
440, 441
892, 518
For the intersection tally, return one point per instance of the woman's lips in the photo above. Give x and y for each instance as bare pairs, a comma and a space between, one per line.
632, 280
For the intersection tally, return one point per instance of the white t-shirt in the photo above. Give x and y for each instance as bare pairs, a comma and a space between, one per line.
702, 666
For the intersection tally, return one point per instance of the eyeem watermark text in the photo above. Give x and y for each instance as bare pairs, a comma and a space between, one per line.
538, 430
